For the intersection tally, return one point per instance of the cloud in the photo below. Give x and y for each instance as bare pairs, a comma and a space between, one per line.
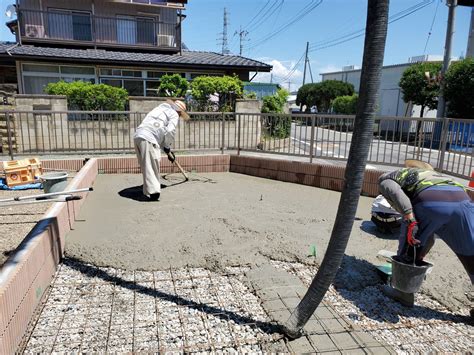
281, 73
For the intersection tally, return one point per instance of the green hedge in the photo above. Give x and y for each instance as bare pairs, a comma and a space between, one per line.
85, 96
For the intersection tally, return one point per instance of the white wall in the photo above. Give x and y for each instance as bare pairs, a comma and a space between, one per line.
391, 98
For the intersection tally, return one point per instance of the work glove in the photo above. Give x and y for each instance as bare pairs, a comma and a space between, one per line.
412, 232
171, 156
167, 150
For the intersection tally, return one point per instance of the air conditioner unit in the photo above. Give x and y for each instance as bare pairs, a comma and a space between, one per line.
165, 40
34, 31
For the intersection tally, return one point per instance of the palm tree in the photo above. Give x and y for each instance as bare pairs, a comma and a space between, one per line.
375, 36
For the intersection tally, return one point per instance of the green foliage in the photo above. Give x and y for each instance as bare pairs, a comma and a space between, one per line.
251, 95
277, 126
228, 88
460, 89
86, 96
173, 86
322, 94
417, 88
345, 105
275, 103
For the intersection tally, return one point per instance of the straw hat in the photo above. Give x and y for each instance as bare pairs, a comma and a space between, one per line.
413, 163
179, 106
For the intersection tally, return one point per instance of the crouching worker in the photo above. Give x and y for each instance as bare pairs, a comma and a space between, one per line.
157, 131
431, 204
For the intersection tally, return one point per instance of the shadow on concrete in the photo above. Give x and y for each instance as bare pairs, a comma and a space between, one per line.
371, 228
136, 192
92, 271
358, 282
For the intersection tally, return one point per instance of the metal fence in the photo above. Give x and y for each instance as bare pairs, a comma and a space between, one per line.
445, 144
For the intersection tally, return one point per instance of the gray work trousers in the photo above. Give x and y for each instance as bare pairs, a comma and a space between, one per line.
149, 157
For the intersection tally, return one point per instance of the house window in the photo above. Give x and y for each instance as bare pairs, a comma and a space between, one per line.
37, 76
152, 87
71, 25
135, 30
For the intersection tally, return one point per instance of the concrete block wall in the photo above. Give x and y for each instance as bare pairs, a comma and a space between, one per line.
325, 176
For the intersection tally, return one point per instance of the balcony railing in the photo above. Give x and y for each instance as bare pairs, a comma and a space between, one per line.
83, 28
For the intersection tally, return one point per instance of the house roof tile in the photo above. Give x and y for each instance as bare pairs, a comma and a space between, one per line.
215, 60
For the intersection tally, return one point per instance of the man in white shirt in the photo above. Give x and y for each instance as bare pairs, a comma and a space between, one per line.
157, 131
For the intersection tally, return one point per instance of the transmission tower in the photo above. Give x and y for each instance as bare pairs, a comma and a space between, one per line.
242, 34
223, 39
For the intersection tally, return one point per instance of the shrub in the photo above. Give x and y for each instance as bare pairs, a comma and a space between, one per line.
345, 105
85, 96
228, 88
278, 126
173, 86
251, 95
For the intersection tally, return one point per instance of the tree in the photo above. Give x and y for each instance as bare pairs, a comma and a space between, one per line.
173, 86
459, 83
419, 89
322, 94
345, 105
375, 36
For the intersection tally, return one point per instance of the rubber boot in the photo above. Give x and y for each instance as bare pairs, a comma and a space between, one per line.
406, 299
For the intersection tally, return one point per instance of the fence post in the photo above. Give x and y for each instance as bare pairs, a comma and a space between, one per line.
223, 133
443, 143
311, 143
238, 133
9, 131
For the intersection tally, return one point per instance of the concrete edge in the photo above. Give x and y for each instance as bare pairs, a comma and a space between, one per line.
27, 275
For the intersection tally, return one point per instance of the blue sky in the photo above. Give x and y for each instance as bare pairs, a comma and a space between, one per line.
330, 20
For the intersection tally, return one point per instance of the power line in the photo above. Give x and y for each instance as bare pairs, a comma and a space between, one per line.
431, 27
275, 7
306, 10
356, 34
292, 70
258, 13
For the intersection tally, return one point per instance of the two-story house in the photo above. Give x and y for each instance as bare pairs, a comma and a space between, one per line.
125, 43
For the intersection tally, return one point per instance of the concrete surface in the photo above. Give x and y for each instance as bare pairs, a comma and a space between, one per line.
216, 220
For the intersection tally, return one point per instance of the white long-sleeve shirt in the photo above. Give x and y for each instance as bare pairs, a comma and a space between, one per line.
159, 126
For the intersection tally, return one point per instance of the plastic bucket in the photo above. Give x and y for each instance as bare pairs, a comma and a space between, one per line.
408, 277
54, 182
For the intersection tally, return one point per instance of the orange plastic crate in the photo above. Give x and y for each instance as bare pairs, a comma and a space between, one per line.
21, 172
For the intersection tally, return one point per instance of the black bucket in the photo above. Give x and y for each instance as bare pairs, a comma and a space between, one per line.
408, 277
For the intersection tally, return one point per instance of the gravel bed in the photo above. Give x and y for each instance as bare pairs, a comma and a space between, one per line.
17, 221
427, 327
91, 309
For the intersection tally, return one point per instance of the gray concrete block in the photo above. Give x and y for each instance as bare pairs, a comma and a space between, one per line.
322, 342
365, 339
323, 312
301, 346
273, 305
291, 302
332, 325
379, 350
280, 316
314, 327
344, 341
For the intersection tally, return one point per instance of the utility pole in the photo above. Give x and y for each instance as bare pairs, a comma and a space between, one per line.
224, 42
271, 78
305, 62
441, 110
470, 40
304, 73
242, 34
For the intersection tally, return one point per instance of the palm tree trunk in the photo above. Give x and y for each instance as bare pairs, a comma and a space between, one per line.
375, 36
